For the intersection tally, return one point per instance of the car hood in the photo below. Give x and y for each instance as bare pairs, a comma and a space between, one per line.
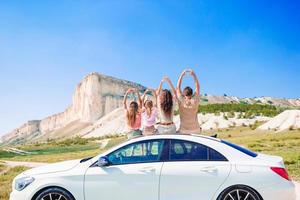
51, 168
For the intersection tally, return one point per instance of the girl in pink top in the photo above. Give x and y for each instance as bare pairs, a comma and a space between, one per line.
149, 114
133, 115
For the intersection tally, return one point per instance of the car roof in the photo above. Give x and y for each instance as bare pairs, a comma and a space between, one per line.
175, 136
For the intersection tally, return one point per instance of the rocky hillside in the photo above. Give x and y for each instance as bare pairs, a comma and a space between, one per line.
96, 96
289, 119
256, 100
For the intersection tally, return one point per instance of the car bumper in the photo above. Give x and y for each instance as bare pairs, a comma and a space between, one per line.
16, 195
282, 191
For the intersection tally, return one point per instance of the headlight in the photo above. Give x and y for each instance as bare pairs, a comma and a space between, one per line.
22, 183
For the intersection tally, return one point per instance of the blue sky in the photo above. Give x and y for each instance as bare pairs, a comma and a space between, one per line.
242, 48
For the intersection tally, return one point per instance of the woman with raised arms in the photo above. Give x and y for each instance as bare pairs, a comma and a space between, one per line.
188, 103
149, 113
133, 114
165, 105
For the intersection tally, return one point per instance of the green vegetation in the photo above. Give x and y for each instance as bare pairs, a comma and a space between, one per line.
255, 125
249, 110
68, 149
6, 177
70, 141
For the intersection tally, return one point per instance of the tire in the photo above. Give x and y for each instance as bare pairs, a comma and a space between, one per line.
239, 192
56, 194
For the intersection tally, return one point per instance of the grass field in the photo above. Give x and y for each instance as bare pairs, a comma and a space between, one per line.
61, 151
6, 177
285, 144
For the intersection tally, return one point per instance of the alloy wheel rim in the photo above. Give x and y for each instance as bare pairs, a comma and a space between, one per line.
240, 194
53, 196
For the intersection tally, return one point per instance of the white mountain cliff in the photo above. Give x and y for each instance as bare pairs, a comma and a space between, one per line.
95, 96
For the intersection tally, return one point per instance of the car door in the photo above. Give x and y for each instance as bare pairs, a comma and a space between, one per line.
193, 171
133, 173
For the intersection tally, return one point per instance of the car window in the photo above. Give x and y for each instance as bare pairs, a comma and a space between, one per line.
241, 149
139, 152
185, 150
215, 156
181, 150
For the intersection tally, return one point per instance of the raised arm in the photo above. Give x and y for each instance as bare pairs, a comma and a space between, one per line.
125, 98
197, 84
179, 82
154, 94
139, 99
148, 91
144, 95
172, 87
159, 89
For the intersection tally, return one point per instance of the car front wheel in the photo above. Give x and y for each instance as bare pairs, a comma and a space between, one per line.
239, 192
54, 193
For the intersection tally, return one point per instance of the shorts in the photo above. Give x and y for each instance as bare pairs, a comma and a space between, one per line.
166, 129
149, 130
134, 133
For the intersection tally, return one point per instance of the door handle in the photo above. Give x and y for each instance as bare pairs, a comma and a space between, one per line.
147, 170
209, 169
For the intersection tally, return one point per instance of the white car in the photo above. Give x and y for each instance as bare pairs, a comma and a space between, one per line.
161, 167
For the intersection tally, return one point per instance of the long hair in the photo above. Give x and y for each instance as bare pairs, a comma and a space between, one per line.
166, 102
132, 112
148, 104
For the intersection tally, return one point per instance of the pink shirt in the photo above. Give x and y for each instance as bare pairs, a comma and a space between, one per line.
137, 124
149, 120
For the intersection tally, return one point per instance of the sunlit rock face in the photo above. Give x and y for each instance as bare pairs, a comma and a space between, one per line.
98, 95
95, 96
24, 131
289, 119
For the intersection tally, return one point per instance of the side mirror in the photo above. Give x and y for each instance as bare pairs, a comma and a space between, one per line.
103, 161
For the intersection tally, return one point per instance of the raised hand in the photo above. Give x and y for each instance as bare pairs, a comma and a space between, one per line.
183, 73
192, 73
188, 71
148, 90
165, 78
130, 90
